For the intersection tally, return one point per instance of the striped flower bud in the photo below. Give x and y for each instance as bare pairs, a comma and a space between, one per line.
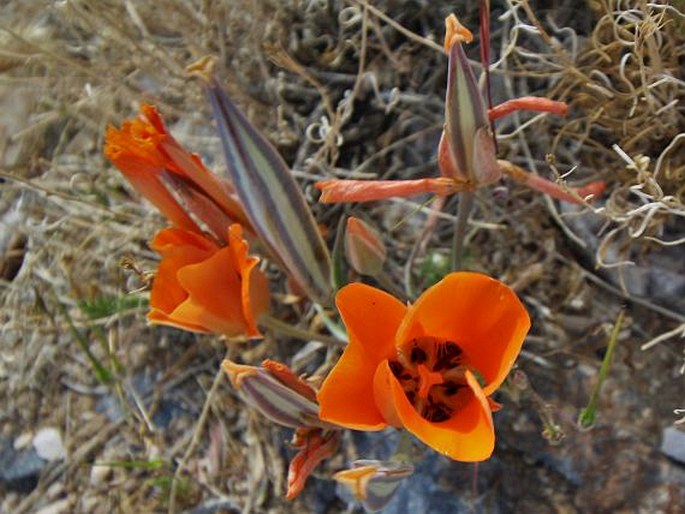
374, 482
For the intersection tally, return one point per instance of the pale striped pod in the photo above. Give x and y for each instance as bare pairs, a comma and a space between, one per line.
272, 199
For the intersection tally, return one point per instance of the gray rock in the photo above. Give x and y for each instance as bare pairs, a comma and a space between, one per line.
19, 470
673, 444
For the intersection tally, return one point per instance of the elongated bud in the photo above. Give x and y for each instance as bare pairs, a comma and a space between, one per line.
270, 195
274, 395
374, 482
364, 248
467, 150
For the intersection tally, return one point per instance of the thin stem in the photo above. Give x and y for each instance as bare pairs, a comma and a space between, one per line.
465, 205
286, 329
588, 415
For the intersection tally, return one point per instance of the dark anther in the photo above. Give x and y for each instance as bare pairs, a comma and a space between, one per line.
418, 356
411, 396
447, 356
396, 368
451, 349
435, 413
451, 388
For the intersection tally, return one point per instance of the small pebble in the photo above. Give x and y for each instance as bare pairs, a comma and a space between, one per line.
673, 444
48, 444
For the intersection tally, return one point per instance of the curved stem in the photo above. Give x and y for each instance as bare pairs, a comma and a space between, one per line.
286, 329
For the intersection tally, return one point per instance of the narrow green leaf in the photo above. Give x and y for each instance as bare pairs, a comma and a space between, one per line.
101, 373
272, 199
588, 415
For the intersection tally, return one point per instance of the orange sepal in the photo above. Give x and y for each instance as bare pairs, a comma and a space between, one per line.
371, 317
285, 375
482, 315
132, 149
468, 436
341, 191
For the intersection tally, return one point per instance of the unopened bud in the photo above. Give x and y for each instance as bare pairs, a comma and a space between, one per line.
278, 399
374, 482
364, 248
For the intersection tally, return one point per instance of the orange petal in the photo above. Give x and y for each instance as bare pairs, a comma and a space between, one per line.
317, 448
178, 248
482, 315
286, 376
202, 287
371, 317
468, 436
190, 166
214, 295
528, 103
254, 292
142, 168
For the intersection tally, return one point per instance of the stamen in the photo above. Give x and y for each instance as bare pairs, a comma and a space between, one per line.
431, 372
418, 356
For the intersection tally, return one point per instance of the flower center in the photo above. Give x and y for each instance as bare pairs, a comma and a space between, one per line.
431, 372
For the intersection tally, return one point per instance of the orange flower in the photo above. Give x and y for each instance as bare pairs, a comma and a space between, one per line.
430, 367
154, 163
203, 287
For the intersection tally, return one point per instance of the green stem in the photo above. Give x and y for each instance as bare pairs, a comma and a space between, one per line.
587, 417
286, 329
466, 201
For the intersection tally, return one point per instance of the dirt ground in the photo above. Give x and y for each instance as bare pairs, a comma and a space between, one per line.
99, 410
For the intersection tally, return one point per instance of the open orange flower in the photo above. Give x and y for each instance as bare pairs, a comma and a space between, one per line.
429, 367
203, 287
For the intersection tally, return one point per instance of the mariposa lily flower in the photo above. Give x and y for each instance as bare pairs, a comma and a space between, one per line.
155, 164
428, 368
203, 287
